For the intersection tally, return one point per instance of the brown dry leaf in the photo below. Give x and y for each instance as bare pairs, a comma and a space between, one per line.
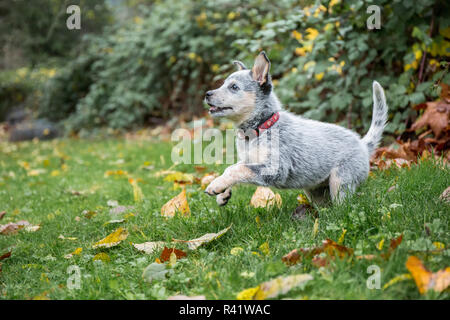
5, 255
113, 239
2, 214
445, 196
265, 197
177, 204
436, 116
149, 247
331, 248
166, 253
425, 279
13, 227
195, 243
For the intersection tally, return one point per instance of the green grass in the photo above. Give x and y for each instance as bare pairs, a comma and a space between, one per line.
37, 265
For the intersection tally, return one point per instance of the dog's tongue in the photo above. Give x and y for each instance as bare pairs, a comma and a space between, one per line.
212, 109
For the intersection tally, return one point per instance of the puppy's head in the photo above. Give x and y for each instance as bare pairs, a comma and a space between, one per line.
238, 98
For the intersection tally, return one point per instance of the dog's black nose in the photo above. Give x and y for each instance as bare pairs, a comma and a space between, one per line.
209, 94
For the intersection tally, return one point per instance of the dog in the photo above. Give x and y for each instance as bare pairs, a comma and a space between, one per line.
277, 148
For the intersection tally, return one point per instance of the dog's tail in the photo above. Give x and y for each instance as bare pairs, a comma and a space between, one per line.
379, 118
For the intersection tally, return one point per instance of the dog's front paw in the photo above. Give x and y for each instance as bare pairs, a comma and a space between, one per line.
216, 187
222, 198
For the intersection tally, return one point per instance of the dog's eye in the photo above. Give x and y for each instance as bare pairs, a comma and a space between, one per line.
234, 87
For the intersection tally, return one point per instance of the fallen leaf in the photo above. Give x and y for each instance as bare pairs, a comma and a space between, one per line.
178, 176
66, 238
264, 248
102, 256
315, 228
264, 197
436, 116
341, 238
177, 204
115, 173
425, 279
138, 196
113, 239
32, 228
396, 279
113, 222
195, 243
14, 227
329, 247
275, 287
236, 251
166, 253
88, 214
183, 297
149, 247
2, 214
76, 252
5, 255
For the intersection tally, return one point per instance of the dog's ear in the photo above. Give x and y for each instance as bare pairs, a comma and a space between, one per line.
261, 68
239, 65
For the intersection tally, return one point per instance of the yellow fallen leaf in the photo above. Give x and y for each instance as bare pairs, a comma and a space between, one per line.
172, 259
102, 257
179, 176
341, 238
274, 288
66, 238
55, 173
425, 279
177, 204
236, 251
264, 248
302, 199
315, 227
115, 173
77, 251
402, 277
264, 197
439, 245
258, 221
247, 294
113, 239
380, 244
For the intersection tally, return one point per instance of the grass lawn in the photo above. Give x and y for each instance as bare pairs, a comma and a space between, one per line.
37, 267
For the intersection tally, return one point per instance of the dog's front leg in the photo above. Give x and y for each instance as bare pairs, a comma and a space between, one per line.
237, 173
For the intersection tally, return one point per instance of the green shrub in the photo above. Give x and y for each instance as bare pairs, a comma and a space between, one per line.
324, 60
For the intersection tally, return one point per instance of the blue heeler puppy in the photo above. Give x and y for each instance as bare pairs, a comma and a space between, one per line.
280, 149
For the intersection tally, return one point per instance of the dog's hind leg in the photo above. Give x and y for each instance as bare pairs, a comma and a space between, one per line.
344, 180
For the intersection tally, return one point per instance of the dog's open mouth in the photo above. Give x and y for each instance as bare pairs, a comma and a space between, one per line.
214, 109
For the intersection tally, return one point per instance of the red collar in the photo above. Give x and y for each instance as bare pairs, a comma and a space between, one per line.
268, 123
261, 128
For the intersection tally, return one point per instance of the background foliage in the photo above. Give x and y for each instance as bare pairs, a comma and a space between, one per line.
160, 59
